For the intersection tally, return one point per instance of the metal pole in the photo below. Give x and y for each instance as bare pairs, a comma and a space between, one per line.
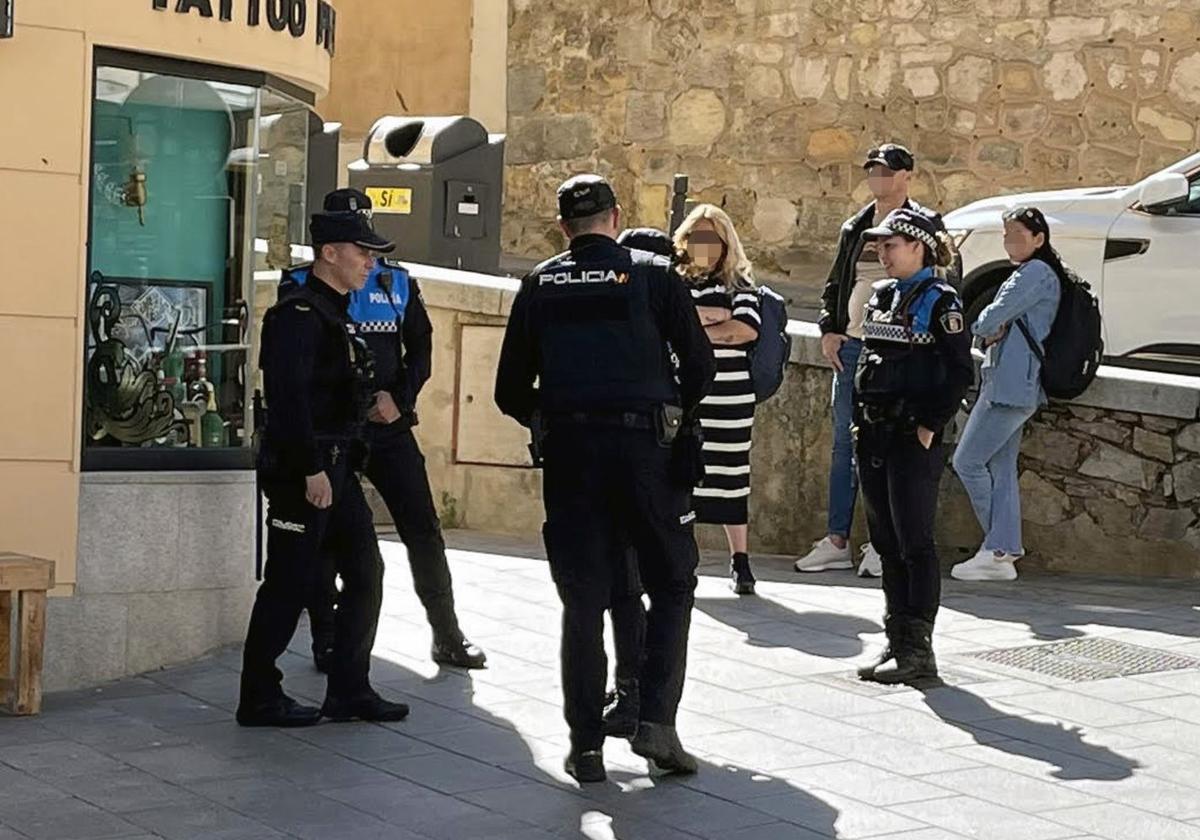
679, 194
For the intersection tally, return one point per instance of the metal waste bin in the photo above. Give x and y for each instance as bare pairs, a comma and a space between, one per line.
436, 185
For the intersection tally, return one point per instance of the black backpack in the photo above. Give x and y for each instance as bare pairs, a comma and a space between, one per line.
1075, 345
770, 354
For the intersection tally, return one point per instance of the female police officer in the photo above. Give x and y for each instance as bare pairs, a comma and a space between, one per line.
913, 373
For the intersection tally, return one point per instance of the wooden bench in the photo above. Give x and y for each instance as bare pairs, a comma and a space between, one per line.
28, 578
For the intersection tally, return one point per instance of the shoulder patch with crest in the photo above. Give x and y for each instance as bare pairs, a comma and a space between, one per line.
952, 322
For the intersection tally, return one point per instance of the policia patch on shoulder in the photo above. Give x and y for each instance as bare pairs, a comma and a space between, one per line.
952, 322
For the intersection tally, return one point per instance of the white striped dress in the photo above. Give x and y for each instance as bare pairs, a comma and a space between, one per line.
727, 414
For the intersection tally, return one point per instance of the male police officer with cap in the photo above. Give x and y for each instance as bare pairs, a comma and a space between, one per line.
392, 319
596, 326
315, 375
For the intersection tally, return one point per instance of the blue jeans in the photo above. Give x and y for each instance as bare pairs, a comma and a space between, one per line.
843, 476
986, 462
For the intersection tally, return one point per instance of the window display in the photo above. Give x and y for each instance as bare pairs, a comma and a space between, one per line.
189, 175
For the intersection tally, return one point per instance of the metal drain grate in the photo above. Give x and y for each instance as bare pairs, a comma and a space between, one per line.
1081, 660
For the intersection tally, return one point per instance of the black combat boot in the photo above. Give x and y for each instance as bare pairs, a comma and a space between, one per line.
365, 705
659, 744
450, 647
585, 766
621, 717
741, 578
913, 661
281, 711
892, 629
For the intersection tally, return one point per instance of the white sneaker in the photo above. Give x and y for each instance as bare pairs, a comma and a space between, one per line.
987, 565
825, 556
872, 564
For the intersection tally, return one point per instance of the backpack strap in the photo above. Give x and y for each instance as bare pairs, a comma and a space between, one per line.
1033, 345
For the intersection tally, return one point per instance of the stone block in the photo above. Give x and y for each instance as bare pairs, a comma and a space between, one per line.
1166, 523
1112, 516
1170, 126
645, 116
1024, 119
830, 145
1105, 430
1122, 467
1065, 77
969, 77
697, 118
1189, 438
166, 628
764, 84
1019, 79
85, 641
1162, 425
1187, 480
1110, 120
1185, 79
526, 87
216, 535
1126, 389
810, 76
922, 82
1074, 30
774, 219
1055, 448
999, 154
1153, 445
128, 535
1041, 501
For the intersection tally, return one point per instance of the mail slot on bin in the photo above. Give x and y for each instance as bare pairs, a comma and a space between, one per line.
435, 184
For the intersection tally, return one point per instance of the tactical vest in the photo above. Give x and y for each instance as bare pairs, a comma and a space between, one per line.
361, 360
900, 358
599, 344
378, 310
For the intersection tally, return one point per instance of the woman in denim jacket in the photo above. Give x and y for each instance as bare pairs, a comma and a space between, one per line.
1011, 392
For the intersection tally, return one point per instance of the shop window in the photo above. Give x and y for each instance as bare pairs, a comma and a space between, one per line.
197, 183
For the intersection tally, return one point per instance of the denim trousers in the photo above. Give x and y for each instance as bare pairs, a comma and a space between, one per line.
843, 476
986, 463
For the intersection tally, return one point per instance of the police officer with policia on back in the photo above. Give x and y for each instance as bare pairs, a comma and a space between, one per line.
913, 373
393, 321
317, 375
595, 327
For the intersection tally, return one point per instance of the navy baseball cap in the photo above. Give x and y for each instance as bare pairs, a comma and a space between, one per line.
906, 222
891, 155
647, 239
583, 196
346, 217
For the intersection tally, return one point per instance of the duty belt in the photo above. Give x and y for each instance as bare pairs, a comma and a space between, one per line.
624, 420
883, 413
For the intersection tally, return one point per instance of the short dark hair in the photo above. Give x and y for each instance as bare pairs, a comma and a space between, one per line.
586, 224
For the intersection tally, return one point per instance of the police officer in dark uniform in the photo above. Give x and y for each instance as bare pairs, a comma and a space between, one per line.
392, 319
626, 610
911, 378
316, 375
595, 327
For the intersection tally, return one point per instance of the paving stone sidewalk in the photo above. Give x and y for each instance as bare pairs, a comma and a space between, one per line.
793, 747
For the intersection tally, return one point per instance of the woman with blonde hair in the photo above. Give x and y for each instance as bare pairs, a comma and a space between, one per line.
721, 280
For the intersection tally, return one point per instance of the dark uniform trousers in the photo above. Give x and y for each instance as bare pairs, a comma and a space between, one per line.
607, 489
301, 540
899, 479
397, 469
628, 616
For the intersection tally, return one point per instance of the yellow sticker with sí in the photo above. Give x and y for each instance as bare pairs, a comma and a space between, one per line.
390, 199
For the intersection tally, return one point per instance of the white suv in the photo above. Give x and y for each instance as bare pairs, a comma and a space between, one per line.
1138, 247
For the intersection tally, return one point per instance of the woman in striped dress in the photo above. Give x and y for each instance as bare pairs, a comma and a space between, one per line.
721, 281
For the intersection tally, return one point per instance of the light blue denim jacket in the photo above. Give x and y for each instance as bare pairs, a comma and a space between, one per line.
1011, 372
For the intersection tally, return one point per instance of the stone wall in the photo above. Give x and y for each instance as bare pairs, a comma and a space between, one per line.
1110, 482
769, 105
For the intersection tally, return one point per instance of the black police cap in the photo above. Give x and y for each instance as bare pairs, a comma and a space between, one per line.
346, 217
647, 239
892, 155
583, 196
906, 222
